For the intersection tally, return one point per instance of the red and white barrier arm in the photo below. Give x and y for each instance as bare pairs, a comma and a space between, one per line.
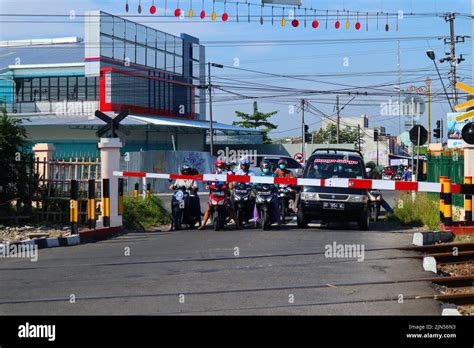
333, 182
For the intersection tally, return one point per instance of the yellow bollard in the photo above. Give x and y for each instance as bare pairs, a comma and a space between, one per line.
441, 200
468, 201
448, 203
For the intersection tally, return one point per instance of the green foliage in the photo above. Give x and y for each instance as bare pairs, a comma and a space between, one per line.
347, 135
424, 211
141, 213
257, 120
15, 174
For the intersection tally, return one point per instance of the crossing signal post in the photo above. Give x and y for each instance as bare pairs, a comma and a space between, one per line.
307, 134
437, 130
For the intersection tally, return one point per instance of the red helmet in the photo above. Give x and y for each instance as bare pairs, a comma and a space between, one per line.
219, 163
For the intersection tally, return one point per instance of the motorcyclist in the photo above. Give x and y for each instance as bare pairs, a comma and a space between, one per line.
244, 167
266, 170
283, 172
220, 169
189, 184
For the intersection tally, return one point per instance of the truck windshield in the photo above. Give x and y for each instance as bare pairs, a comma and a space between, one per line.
326, 167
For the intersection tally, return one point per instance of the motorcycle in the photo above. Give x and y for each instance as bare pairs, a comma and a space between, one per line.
218, 195
398, 177
243, 202
284, 196
375, 199
182, 208
264, 198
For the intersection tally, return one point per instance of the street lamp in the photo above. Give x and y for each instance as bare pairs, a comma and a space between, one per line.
431, 55
211, 130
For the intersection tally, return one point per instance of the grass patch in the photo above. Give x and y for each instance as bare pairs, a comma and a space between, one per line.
464, 239
141, 213
424, 211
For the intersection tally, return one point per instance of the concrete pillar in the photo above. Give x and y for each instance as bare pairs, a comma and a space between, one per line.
110, 162
468, 159
44, 153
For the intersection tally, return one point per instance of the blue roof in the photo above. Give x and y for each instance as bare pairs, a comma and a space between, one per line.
44, 54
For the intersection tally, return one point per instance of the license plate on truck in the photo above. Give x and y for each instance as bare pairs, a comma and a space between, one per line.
333, 206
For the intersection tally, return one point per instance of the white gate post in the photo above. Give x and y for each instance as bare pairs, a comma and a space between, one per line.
468, 159
110, 162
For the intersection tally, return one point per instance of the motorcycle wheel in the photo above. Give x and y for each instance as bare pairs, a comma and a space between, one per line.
216, 221
283, 211
264, 220
178, 218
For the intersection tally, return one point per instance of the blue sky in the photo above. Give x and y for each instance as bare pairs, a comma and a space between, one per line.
305, 60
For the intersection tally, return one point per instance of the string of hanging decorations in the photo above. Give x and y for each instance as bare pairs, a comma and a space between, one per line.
244, 11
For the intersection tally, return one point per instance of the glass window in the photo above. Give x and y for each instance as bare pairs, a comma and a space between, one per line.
195, 53
131, 31
178, 46
73, 89
119, 27
169, 44
151, 37
107, 24
141, 34
151, 57
334, 166
140, 55
170, 62
53, 90
161, 41
44, 88
130, 52
178, 65
36, 92
119, 49
160, 60
106, 46
26, 90
81, 88
63, 88
91, 93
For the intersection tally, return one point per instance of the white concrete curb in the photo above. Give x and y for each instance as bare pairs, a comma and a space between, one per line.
417, 239
450, 312
52, 242
70, 240
429, 264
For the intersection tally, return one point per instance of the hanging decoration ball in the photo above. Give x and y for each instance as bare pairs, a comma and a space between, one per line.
139, 8
295, 23
315, 24
213, 16
153, 9
202, 14
177, 12
283, 22
348, 24
126, 7
386, 27
357, 26
190, 13
337, 25
225, 16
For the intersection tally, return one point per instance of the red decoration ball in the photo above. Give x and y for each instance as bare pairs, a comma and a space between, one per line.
153, 9
357, 26
203, 14
337, 25
386, 27
225, 16
315, 24
295, 23
177, 12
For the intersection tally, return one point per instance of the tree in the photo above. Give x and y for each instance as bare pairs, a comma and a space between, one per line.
347, 135
257, 120
14, 182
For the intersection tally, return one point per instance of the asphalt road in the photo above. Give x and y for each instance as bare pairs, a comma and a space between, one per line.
281, 271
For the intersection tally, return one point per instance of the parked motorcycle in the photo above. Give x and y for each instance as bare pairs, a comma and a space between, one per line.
217, 200
284, 195
375, 199
264, 198
184, 211
243, 202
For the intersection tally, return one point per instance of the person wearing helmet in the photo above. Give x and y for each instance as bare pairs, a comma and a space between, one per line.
189, 184
221, 168
283, 172
266, 168
244, 167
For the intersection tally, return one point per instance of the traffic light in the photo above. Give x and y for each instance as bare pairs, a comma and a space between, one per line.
437, 130
307, 134
376, 134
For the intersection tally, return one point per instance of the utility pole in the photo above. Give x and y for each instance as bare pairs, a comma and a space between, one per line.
338, 119
303, 140
428, 92
358, 136
399, 88
211, 130
452, 40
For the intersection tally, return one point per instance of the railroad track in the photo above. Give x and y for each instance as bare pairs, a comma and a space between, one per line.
454, 261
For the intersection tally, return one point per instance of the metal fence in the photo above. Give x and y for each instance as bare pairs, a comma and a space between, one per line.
451, 165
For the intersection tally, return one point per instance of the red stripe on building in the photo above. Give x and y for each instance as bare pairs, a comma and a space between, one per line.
286, 181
